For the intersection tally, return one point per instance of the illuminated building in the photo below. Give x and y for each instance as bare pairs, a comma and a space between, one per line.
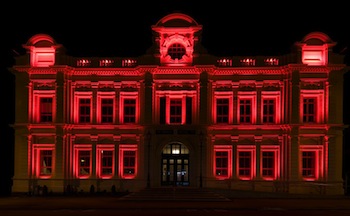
180, 116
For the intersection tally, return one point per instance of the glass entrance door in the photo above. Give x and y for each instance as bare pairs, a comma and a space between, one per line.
175, 165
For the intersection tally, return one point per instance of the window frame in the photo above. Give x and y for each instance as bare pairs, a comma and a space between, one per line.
122, 149
99, 160
276, 158
247, 96
123, 97
37, 96
252, 150
100, 97
77, 149
223, 95
318, 161
276, 96
223, 148
36, 160
318, 95
77, 97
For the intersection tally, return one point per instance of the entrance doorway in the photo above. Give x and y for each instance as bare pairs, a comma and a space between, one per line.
175, 165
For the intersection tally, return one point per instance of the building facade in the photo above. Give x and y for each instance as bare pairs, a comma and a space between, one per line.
178, 116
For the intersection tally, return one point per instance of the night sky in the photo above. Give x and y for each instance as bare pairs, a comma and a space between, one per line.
105, 29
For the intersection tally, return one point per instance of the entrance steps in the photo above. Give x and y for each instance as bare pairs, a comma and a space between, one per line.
174, 193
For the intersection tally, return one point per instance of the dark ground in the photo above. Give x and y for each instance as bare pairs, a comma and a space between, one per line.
173, 202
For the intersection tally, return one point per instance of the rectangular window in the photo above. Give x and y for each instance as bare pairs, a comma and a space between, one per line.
128, 161
246, 164
271, 107
105, 161
84, 110
176, 111
269, 111
309, 164
106, 110
222, 161
42, 107
222, 110
129, 110
45, 162
84, 157
312, 162
309, 110
245, 111
269, 162
45, 109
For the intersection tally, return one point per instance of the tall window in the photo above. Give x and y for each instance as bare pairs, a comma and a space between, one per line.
84, 110
246, 162
106, 110
245, 111
45, 109
43, 160
83, 161
105, 161
312, 105
269, 111
129, 111
312, 162
309, 110
42, 107
175, 111
222, 110
222, 161
128, 161
269, 162
309, 164
271, 107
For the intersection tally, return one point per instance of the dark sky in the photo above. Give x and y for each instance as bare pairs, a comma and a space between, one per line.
123, 28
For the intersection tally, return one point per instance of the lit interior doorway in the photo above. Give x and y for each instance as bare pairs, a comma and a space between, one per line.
175, 165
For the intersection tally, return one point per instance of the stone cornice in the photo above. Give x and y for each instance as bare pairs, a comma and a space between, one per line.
248, 71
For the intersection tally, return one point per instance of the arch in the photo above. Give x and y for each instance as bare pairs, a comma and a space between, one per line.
176, 20
317, 35
41, 40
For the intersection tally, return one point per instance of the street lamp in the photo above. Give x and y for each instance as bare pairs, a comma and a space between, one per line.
148, 136
200, 159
